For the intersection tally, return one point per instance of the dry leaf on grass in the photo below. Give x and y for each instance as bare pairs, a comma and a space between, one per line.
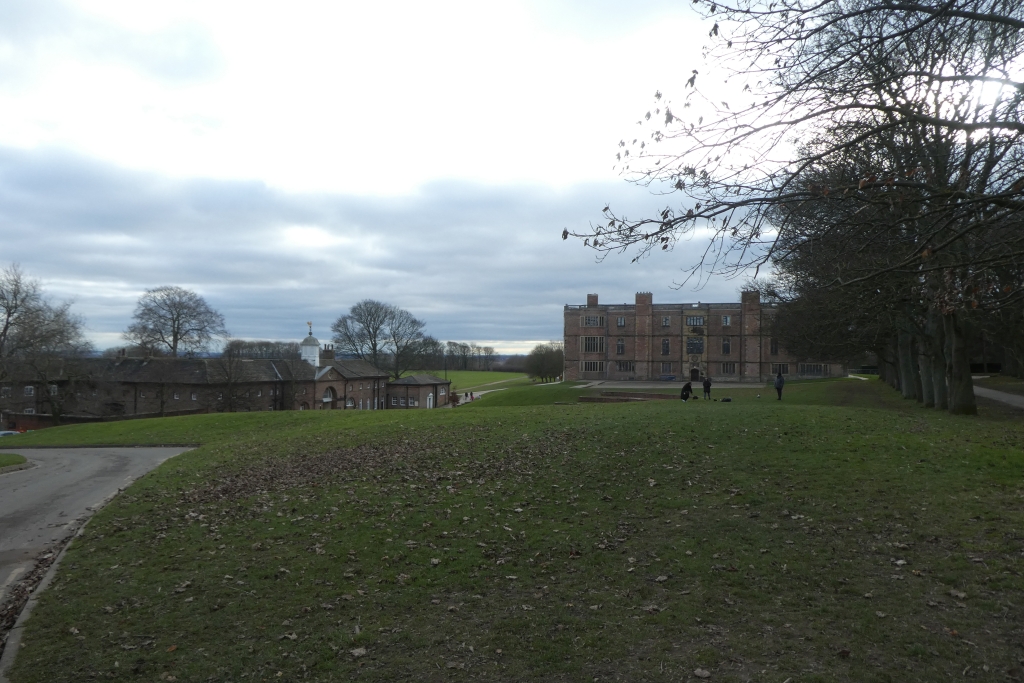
702, 673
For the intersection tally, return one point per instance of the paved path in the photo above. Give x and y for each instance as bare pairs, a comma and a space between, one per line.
48, 502
1001, 396
641, 385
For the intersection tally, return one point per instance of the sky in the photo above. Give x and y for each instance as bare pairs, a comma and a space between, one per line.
287, 160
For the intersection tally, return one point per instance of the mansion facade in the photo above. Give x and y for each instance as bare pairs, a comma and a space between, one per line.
727, 342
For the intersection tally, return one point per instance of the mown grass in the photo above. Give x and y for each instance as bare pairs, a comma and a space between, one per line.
841, 534
8, 459
471, 380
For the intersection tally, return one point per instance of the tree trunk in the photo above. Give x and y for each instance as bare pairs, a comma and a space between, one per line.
937, 336
924, 365
961, 387
906, 364
887, 363
915, 368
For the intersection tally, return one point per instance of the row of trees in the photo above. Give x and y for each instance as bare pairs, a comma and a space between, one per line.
389, 336
546, 361
873, 159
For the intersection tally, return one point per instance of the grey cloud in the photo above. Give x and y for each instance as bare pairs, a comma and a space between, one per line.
33, 31
475, 262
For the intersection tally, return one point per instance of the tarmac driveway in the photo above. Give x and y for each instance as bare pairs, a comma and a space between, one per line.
48, 502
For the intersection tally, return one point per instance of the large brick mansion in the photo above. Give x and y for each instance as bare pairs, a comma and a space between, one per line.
648, 341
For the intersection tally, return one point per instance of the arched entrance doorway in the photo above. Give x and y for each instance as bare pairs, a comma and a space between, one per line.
329, 398
430, 400
694, 374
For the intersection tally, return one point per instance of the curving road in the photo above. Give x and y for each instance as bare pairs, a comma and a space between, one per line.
48, 502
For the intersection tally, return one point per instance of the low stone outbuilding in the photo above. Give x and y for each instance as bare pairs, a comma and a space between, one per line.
418, 391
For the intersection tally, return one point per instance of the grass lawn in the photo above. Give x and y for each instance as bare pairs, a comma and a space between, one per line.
471, 380
1011, 385
841, 534
8, 459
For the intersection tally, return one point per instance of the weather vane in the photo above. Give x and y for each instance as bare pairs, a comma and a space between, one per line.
310, 327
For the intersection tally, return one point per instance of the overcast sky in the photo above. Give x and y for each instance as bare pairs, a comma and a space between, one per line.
287, 160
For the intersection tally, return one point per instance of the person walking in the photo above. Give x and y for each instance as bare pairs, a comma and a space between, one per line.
707, 388
779, 383
685, 393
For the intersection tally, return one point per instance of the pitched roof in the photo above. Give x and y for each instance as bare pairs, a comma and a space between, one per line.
164, 370
419, 380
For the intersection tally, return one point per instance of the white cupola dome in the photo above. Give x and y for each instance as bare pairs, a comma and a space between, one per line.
310, 348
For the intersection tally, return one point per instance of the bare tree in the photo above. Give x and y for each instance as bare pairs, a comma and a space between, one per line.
236, 375
546, 361
487, 358
174, 320
40, 341
404, 339
363, 331
904, 120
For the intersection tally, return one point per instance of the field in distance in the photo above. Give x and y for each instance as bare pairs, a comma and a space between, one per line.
842, 534
471, 380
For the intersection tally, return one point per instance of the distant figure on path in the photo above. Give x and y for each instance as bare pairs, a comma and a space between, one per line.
707, 388
779, 383
685, 393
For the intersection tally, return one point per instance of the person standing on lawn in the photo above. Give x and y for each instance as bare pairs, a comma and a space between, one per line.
707, 388
685, 393
779, 383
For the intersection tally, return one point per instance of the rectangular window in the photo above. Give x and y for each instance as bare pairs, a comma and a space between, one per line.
394, 400
728, 368
627, 366
5, 392
813, 369
726, 346
403, 401
53, 390
695, 320
726, 320
30, 391
442, 391
666, 321
175, 395
220, 396
666, 347
695, 345
592, 321
666, 368
30, 411
593, 366
620, 321
195, 396
592, 344
620, 347
412, 401
259, 392
773, 347
780, 367
142, 394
